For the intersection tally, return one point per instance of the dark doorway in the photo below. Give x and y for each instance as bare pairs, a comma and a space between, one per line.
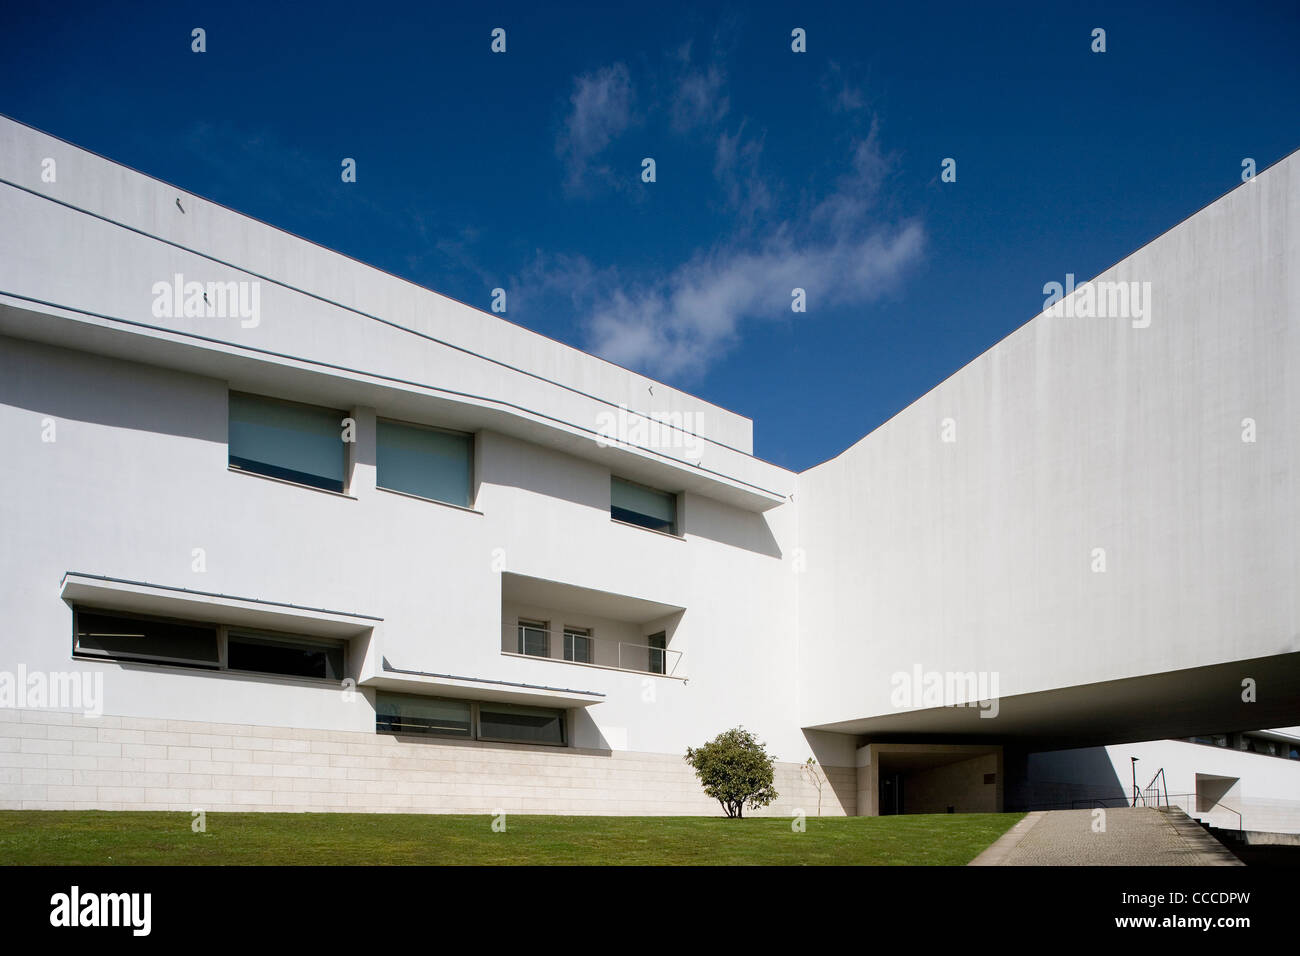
891, 794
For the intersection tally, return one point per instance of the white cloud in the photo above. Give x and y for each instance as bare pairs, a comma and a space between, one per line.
600, 108
837, 249
681, 326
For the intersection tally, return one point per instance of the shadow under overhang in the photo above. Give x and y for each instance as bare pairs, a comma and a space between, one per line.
1182, 703
539, 592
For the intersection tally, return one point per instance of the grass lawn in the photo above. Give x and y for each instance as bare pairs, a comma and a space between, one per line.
119, 837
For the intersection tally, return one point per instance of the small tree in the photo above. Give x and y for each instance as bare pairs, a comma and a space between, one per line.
736, 771
814, 774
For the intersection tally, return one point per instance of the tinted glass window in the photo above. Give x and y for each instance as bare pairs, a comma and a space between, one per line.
533, 725
425, 462
637, 504
145, 639
408, 714
534, 639
267, 655
300, 443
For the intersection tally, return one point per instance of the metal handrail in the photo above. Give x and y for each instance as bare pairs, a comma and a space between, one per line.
651, 650
1141, 794
667, 658
1240, 822
1190, 811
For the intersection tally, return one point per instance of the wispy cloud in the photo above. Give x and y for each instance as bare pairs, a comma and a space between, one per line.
698, 95
736, 168
843, 95
600, 108
683, 325
837, 246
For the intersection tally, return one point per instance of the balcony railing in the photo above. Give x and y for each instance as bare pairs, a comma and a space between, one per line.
593, 651
648, 659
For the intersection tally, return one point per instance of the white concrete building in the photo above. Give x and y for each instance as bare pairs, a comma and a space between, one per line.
285, 532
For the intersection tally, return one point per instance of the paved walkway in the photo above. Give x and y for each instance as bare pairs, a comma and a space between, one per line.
1132, 837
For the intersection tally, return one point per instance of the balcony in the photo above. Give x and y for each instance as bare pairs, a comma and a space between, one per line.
583, 627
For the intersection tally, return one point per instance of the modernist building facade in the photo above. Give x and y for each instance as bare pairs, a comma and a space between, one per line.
285, 532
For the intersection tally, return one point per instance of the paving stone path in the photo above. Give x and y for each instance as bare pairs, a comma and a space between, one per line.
1141, 836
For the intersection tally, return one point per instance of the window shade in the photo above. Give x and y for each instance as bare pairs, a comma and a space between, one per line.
425, 462
643, 506
301, 443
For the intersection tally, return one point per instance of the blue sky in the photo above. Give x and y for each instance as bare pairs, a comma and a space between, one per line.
774, 169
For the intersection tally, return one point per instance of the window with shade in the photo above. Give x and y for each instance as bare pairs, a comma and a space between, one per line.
529, 725
425, 462
286, 440
412, 714
639, 505
482, 720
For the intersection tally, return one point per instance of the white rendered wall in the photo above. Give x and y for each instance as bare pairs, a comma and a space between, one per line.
137, 479
1075, 434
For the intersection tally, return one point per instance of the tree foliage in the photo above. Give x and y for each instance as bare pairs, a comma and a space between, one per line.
736, 770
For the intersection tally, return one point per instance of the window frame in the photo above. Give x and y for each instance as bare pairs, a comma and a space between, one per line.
221, 634
148, 659
329, 488
475, 732
527, 623
478, 724
653, 652
675, 496
280, 637
472, 438
470, 732
571, 645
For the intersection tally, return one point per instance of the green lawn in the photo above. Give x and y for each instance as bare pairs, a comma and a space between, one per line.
117, 838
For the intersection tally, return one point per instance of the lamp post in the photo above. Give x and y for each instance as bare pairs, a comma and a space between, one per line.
1134, 765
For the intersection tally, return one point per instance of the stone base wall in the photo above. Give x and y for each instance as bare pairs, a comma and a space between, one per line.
61, 761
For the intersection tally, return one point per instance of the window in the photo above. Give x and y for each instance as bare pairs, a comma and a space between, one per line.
129, 638
119, 636
529, 725
534, 638
299, 443
425, 462
577, 645
656, 655
639, 505
442, 717
410, 714
290, 656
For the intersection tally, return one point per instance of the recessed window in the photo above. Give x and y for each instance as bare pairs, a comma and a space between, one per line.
412, 714
577, 645
535, 638
639, 505
298, 443
656, 653
121, 636
425, 462
289, 656
529, 725
151, 640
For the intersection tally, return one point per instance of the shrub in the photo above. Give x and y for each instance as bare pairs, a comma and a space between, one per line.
735, 770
